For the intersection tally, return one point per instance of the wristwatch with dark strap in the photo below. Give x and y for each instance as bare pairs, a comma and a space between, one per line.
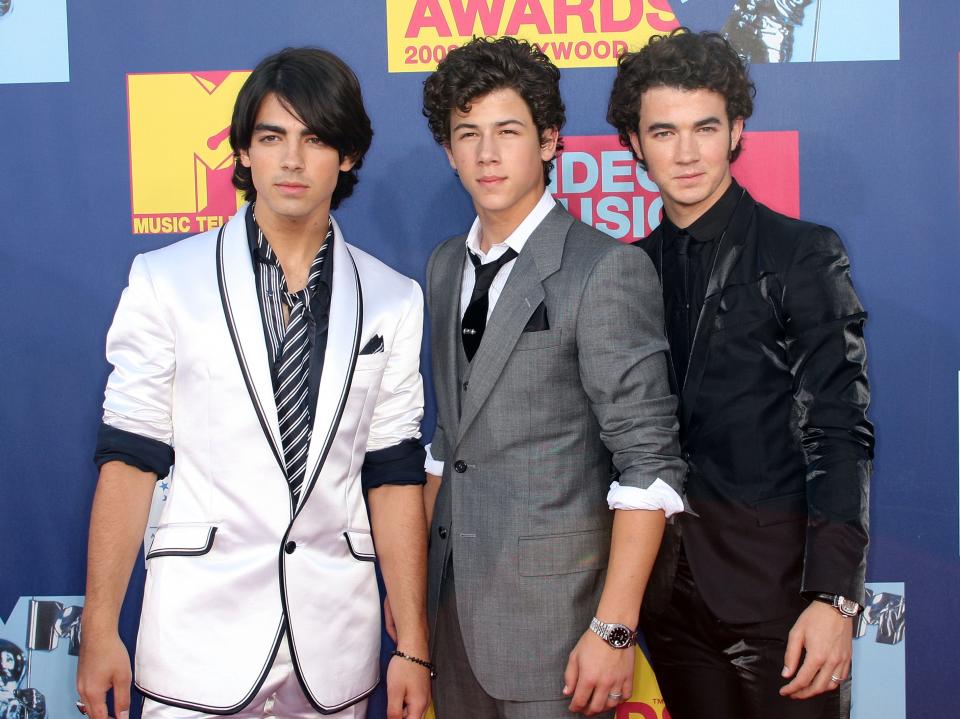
618, 636
846, 607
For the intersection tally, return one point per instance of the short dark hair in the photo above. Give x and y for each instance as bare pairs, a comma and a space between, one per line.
322, 91
682, 59
484, 65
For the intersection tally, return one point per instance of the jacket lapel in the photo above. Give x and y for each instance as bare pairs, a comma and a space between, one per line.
522, 295
728, 254
340, 356
241, 308
447, 273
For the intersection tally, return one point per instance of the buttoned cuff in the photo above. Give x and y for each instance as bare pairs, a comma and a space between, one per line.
431, 465
144, 453
658, 495
398, 465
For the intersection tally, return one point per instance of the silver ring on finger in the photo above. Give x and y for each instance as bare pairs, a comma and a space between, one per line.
616, 696
81, 707
835, 679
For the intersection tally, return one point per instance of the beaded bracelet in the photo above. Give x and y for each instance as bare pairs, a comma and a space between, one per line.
422, 662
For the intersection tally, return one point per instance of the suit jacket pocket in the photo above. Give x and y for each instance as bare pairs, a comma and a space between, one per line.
182, 540
538, 321
360, 545
551, 554
538, 340
785, 508
370, 362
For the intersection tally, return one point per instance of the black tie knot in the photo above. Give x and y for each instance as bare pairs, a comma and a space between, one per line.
683, 242
486, 273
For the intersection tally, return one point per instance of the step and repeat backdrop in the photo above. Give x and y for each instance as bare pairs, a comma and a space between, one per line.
113, 141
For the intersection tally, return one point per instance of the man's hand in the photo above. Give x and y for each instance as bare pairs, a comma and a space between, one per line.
826, 638
408, 688
104, 665
594, 671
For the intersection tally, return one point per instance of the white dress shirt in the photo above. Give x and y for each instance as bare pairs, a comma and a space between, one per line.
658, 495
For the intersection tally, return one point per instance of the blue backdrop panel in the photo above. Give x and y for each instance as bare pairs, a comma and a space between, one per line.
878, 155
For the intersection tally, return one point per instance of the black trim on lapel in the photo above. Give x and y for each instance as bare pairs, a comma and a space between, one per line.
327, 442
238, 349
728, 253
344, 393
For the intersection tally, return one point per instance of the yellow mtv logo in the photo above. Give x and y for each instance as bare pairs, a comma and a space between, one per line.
180, 158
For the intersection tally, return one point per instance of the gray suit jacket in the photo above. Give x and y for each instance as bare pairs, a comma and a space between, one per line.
548, 418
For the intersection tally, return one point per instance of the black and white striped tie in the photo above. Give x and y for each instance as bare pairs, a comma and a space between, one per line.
292, 393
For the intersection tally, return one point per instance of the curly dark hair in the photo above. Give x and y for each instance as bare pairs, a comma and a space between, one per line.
322, 91
484, 65
682, 59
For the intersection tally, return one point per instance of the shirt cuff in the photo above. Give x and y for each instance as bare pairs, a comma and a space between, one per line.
658, 495
144, 453
398, 465
431, 465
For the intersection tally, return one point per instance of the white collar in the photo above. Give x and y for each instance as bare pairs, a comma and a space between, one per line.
518, 238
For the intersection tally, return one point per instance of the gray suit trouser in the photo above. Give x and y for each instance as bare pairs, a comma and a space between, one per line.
456, 692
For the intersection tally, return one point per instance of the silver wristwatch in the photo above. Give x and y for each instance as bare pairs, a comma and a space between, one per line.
618, 636
846, 607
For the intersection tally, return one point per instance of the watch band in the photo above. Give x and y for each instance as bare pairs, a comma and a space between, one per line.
618, 636
846, 607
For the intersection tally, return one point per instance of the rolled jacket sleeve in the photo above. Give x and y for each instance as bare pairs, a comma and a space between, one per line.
137, 419
623, 369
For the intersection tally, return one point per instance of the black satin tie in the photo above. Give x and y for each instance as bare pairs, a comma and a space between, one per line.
475, 318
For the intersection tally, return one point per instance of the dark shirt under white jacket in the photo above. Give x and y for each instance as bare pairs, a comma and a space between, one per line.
235, 565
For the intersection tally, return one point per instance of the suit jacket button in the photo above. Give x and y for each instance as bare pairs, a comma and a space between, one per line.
290, 547
442, 531
460, 466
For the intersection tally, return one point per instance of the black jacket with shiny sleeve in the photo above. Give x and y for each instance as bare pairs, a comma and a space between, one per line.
773, 424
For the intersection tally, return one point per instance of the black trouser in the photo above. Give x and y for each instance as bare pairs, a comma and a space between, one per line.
708, 669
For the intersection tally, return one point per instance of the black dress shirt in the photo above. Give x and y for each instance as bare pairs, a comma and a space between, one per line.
684, 288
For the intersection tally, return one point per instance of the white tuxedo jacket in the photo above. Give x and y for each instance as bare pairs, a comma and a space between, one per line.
234, 566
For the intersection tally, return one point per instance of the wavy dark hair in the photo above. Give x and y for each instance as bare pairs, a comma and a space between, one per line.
683, 59
484, 65
319, 89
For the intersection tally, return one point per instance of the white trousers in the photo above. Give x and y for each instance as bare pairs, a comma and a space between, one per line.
280, 697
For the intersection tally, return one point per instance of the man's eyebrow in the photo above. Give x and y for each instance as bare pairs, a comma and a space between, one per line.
712, 120
499, 123
661, 126
657, 126
266, 127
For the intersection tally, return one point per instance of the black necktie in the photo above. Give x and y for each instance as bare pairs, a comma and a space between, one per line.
293, 388
683, 330
475, 318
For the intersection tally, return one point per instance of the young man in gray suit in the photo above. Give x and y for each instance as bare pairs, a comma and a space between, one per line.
549, 363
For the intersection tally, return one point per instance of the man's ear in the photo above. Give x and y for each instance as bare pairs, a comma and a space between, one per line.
446, 149
736, 132
548, 143
244, 156
635, 144
347, 163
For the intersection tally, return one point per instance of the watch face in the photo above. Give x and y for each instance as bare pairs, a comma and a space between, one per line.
619, 636
848, 607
